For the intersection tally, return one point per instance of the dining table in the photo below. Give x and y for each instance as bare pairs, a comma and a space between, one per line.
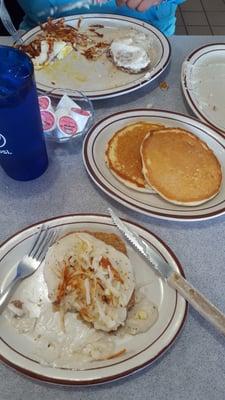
193, 367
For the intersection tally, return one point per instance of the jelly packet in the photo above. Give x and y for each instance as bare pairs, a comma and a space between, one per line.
66, 118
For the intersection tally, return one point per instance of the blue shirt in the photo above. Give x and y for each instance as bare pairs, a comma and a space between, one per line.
162, 16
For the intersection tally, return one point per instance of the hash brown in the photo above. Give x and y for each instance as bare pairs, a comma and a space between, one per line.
84, 273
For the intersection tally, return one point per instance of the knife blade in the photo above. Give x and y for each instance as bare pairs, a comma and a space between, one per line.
172, 277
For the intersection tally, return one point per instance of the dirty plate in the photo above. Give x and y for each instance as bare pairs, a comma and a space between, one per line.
20, 352
203, 84
101, 79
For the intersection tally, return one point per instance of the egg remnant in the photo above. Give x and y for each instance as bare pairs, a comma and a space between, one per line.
131, 53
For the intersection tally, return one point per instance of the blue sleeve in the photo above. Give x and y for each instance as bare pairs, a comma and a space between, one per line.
162, 16
177, 2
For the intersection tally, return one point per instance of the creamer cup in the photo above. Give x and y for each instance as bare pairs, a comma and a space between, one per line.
66, 127
48, 120
44, 103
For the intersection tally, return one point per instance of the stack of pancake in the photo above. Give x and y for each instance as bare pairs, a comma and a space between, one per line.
175, 163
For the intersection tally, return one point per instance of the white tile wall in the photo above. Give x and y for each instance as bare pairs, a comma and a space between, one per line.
201, 17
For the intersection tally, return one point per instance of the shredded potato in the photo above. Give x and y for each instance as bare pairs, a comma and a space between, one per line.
88, 276
55, 31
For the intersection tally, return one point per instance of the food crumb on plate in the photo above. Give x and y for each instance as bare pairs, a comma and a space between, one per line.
164, 85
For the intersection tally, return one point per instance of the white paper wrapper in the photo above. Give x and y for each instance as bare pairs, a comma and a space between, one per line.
67, 103
80, 116
69, 108
61, 111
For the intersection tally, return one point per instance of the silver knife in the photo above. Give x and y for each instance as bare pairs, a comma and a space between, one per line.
173, 278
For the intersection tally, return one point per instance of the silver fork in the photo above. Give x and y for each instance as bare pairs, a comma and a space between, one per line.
30, 262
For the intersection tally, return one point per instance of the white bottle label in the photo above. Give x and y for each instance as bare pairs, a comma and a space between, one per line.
2, 144
2, 141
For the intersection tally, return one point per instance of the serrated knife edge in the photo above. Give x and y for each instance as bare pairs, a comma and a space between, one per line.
174, 279
157, 263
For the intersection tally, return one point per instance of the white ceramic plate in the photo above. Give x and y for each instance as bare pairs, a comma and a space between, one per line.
146, 203
17, 351
101, 79
203, 84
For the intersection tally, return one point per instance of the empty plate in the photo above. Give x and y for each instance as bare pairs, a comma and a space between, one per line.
203, 84
99, 78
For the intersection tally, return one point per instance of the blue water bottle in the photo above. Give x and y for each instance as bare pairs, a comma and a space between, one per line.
23, 154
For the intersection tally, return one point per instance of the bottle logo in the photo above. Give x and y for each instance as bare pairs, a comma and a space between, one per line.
2, 141
2, 144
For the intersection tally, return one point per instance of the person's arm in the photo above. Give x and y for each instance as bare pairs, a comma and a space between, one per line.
143, 5
139, 5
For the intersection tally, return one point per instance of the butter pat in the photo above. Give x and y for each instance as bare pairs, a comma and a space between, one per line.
80, 116
67, 103
69, 107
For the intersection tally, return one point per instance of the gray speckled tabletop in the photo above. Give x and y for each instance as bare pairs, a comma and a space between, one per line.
194, 367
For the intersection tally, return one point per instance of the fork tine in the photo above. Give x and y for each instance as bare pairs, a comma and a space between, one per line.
42, 239
30, 262
48, 244
37, 240
50, 234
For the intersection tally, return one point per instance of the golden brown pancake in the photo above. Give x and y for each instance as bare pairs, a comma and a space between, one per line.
123, 154
180, 167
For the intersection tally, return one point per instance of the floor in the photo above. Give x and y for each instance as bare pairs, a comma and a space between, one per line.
201, 17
